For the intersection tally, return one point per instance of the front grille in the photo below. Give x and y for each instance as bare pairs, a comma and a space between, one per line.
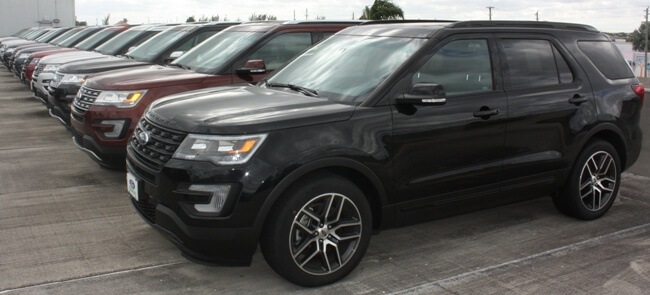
161, 145
38, 70
84, 99
147, 207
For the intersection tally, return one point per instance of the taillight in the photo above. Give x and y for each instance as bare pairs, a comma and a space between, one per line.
639, 90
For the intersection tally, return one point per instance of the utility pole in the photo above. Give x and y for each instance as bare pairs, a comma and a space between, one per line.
537, 16
645, 50
490, 11
352, 15
306, 14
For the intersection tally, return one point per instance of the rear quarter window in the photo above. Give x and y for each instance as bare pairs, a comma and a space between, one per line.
606, 57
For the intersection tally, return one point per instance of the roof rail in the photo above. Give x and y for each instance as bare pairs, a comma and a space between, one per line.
406, 21
329, 22
524, 24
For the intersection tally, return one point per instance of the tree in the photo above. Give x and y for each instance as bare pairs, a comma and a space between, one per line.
106, 19
262, 17
80, 23
637, 38
320, 17
190, 19
382, 9
215, 18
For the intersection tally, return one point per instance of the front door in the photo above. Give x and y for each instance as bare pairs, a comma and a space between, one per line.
450, 152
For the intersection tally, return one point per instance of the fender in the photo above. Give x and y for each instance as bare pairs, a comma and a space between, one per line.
604, 127
313, 166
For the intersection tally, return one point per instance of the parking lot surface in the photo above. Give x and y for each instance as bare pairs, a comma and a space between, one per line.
67, 227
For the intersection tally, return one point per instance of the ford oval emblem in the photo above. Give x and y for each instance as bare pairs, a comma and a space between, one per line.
143, 137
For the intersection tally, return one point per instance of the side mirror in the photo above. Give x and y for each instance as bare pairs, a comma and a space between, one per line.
424, 94
253, 66
131, 48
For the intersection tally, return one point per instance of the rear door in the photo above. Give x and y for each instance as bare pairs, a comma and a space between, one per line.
549, 101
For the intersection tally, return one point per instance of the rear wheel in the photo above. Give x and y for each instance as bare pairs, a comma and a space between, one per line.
593, 184
319, 232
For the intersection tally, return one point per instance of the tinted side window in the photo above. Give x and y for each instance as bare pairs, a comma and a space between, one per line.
461, 67
282, 48
606, 57
535, 63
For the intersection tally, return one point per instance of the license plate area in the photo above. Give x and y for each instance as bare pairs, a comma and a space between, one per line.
133, 185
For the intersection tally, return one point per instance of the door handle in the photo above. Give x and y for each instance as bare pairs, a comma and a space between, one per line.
578, 99
486, 114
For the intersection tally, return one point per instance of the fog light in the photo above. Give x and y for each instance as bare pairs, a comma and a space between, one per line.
117, 126
219, 194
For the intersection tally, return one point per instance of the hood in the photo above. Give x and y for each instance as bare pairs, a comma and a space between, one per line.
98, 65
244, 110
65, 57
143, 78
41, 54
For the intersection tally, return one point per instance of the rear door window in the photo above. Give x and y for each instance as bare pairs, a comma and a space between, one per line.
534, 63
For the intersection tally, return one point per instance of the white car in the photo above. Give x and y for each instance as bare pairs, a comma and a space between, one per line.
47, 66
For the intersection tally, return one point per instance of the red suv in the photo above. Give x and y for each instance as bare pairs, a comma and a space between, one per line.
107, 108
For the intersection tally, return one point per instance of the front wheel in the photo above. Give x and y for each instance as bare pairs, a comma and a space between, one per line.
319, 231
593, 183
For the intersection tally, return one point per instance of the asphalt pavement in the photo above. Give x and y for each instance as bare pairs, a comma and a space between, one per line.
67, 227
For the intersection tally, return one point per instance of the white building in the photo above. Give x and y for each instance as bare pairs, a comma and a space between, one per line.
19, 14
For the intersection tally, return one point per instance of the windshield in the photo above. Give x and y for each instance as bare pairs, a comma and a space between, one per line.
347, 68
156, 45
47, 36
113, 46
64, 36
215, 52
74, 39
94, 40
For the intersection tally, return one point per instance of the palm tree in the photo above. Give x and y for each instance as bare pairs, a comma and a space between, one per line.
382, 9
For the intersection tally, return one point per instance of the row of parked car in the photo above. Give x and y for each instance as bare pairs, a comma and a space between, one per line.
312, 148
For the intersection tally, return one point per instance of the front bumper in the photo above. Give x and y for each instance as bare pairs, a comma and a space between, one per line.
229, 240
41, 85
59, 100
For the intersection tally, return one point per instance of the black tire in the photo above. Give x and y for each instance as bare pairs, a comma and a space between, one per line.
293, 228
593, 183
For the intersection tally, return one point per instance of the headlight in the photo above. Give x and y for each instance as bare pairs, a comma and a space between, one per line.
34, 61
120, 99
220, 150
50, 68
76, 79
24, 55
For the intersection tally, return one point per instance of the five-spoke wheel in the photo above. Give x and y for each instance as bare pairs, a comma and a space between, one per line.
319, 231
593, 183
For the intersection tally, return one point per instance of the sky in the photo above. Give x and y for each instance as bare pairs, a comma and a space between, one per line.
606, 16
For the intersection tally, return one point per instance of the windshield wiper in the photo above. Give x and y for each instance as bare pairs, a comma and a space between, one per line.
303, 90
128, 56
181, 66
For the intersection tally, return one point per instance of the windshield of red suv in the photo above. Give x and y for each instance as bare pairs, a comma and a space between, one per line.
78, 36
113, 45
158, 44
92, 41
217, 51
64, 36
347, 68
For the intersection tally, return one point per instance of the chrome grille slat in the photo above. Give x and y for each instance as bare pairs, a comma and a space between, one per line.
161, 146
85, 99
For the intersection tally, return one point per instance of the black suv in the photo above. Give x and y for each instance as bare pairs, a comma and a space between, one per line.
384, 125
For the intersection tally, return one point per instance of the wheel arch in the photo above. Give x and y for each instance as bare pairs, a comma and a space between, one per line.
612, 134
359, 174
